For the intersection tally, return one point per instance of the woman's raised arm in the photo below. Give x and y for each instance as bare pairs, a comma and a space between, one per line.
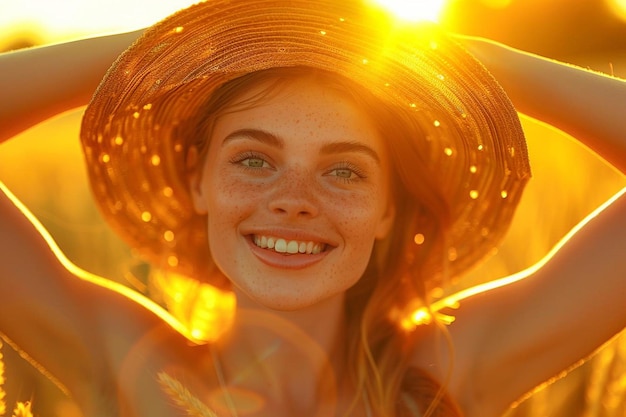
45, 310
511, 339
37, 83
588, 105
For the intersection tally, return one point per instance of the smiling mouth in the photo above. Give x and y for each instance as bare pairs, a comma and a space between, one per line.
290, 247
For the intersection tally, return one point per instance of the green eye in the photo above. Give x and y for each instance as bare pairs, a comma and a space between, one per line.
343, 173
254, 162
346, 172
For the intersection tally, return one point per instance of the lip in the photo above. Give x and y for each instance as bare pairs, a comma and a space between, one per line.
288, 261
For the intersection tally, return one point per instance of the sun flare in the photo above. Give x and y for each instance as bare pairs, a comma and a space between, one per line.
415, 10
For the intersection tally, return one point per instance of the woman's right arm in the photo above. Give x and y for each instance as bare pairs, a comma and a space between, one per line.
44, 309
38, 83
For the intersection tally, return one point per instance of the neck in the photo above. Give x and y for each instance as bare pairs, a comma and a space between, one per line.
288, 358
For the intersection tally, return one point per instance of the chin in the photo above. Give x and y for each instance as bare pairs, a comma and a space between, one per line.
286, 301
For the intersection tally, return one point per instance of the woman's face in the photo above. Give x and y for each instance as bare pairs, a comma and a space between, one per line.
296, 190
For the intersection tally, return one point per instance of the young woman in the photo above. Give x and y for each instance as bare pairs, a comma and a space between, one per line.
333, 170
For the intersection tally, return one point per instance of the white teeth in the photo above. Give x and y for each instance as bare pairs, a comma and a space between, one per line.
280, 246
290, 247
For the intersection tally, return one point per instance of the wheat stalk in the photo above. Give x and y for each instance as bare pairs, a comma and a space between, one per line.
22, 409
3, 405
182, 397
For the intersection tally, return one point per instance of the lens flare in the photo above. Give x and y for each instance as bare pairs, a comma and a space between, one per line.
415, 10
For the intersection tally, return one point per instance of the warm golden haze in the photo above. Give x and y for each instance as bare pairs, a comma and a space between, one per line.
415, 10
45, 169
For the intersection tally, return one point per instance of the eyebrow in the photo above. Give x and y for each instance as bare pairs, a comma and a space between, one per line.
277, 142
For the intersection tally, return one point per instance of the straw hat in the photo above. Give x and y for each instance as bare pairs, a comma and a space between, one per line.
136, 163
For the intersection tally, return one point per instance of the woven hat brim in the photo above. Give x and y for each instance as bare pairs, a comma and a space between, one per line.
475, 145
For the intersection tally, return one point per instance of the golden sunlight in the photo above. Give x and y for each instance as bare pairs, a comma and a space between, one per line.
55, 21
497, 4
415, 10
618, 7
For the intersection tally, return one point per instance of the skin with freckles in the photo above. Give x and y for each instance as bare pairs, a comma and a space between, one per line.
305, 167
293, 175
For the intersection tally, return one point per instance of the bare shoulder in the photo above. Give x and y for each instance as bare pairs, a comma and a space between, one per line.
147, 365
87, 336
152, 365
449, 355
507, 341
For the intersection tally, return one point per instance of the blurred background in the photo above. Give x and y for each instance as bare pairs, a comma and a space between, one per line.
44, 168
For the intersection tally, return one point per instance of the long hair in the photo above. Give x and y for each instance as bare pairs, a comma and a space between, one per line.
378, 351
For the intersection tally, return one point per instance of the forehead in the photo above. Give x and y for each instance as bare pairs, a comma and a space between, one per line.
301, 109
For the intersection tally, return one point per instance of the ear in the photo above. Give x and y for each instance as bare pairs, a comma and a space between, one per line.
386, 221
194, 180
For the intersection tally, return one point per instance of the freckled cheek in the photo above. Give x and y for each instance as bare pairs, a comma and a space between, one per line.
232, 200
358, 215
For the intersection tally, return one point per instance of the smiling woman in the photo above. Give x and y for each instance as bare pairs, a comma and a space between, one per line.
335, 172
288, 170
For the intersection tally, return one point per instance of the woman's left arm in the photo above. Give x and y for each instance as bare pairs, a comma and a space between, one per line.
588, 105
512, 339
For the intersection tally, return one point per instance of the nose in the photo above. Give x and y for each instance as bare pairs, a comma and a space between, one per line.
295, 195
